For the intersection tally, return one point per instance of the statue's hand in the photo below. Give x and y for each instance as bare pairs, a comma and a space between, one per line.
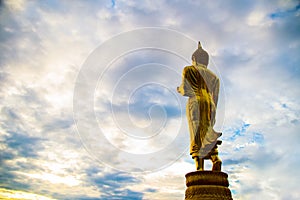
180, 91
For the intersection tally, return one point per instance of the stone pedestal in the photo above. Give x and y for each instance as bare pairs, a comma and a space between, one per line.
207, 185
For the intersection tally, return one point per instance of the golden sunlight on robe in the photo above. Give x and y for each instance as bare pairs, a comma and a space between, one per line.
202, 87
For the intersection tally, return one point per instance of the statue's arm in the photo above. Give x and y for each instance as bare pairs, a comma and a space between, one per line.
183, 88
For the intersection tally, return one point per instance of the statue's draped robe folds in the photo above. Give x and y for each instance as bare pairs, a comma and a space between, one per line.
202, 87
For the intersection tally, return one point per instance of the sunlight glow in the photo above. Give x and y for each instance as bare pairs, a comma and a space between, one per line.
15, 194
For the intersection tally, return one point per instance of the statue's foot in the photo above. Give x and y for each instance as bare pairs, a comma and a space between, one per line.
195, 148
217, 166
199, 163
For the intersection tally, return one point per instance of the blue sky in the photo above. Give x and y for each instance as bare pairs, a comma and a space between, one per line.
138, 146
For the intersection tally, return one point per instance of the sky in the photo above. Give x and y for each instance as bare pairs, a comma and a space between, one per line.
89, 108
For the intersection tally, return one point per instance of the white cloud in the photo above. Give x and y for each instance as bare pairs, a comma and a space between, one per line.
18, 5
43, 46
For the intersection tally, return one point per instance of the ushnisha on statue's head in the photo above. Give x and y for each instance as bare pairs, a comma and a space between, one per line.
200, 56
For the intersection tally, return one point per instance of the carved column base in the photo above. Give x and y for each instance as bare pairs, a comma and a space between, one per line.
207, 185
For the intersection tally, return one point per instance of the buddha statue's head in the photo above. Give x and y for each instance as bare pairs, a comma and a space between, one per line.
200, 56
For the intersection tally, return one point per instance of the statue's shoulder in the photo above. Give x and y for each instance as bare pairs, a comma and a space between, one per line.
188, 68
211, 74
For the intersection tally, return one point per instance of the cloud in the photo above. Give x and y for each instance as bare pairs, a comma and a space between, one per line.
114, 185
8, 194
254, 47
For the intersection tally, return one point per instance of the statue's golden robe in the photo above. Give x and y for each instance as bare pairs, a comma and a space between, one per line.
202, 87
